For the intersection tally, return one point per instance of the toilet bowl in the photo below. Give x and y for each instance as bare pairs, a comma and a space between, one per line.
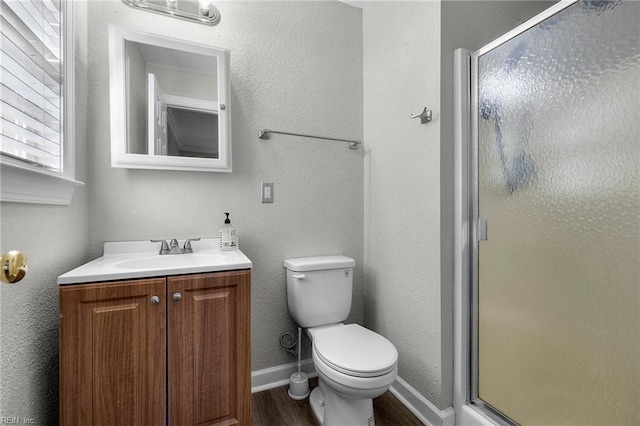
354, 364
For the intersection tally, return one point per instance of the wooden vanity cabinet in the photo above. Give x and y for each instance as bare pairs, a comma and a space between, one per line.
141, 351
209, 354
112, 353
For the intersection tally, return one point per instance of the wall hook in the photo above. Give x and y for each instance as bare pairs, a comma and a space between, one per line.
425, 115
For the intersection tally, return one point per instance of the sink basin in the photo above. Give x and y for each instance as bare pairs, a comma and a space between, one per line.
140, 259
169, 261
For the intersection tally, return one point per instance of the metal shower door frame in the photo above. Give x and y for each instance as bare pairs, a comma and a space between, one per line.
468, 406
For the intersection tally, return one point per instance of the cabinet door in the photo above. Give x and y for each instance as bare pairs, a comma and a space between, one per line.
112, 353
209, 349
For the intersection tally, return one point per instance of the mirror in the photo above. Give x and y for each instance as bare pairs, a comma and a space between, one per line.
169, 103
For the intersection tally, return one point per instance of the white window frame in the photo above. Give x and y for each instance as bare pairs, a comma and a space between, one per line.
22, 183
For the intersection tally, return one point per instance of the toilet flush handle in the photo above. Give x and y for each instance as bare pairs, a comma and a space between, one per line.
299, 276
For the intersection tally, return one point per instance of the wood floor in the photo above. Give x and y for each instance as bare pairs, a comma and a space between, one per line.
275, 408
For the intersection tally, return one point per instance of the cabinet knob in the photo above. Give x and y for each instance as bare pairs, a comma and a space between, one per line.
154, 300
176, 296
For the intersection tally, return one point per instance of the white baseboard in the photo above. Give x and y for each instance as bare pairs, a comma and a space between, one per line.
420, 406
277, 376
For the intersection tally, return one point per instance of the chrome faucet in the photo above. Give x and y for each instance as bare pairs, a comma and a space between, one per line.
174, 248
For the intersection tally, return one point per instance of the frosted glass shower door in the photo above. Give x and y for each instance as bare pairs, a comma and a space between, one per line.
558, 168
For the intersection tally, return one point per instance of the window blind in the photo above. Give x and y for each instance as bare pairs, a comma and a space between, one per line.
31, 82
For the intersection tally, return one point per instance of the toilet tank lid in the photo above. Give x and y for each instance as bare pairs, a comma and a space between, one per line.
317, 263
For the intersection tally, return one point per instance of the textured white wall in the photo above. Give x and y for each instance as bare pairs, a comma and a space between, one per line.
295, 66
55, 239
402, 188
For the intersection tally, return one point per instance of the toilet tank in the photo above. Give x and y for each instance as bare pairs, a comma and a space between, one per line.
319, 289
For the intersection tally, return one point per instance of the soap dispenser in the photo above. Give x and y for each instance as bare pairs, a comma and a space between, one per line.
228, 238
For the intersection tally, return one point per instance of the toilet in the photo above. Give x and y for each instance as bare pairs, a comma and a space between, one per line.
354, 364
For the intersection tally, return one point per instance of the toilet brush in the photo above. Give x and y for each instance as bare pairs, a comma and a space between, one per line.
299, 386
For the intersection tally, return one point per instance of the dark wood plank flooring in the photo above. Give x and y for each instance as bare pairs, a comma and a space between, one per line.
275, 408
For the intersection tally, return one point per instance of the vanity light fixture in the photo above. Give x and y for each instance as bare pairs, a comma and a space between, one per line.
200, 11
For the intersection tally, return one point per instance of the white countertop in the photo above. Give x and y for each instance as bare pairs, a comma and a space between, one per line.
141, 259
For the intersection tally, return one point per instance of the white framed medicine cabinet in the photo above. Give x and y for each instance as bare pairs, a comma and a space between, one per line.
169, 103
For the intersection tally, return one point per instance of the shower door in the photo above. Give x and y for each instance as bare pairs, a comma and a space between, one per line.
556, 259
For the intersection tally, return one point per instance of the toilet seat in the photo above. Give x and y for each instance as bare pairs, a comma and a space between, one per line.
355, 351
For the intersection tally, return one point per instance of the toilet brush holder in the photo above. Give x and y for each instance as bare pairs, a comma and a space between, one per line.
299, 386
